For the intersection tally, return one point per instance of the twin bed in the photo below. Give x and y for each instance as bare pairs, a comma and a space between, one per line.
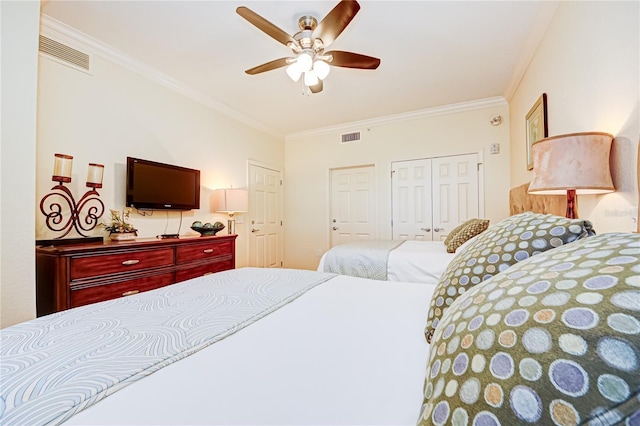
247, 346
421, 261
404, 261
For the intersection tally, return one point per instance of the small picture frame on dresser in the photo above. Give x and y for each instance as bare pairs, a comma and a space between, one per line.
536, 126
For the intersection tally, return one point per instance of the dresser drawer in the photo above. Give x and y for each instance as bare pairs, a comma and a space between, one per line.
203, 251
105, 264
80, 273
98, 293
201, 270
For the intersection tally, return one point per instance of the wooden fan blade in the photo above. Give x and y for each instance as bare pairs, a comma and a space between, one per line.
276, 63
316, 88
352, 60
265, 26
336, 21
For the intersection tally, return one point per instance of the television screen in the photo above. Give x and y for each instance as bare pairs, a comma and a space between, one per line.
158, 186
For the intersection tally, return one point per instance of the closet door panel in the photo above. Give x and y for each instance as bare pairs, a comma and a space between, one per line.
431, 196
455, 190
411, 197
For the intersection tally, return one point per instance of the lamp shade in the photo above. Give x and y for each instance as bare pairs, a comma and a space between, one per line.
304, 61
310, 78
294, 71
321, 69
230, 200
576, 161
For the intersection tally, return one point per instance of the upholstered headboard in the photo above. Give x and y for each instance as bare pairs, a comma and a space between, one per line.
521, 201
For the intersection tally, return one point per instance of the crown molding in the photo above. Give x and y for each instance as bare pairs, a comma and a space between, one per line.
66, 34
396, 118
546, 12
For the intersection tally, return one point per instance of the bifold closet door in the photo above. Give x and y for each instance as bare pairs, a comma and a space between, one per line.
411, 198
455, 192
433, 195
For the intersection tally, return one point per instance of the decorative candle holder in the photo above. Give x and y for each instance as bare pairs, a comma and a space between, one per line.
61, 195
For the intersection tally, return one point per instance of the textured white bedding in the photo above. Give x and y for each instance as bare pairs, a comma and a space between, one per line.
350, 351
414, 262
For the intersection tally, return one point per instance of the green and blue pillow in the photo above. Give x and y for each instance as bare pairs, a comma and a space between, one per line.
510, 241
554, 340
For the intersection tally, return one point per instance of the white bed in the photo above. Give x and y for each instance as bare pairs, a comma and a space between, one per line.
411, 261
348, 351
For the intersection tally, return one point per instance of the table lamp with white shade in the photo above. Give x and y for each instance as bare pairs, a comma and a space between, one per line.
230, 201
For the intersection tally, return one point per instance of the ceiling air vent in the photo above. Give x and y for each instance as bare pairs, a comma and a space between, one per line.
65, 54
350, 137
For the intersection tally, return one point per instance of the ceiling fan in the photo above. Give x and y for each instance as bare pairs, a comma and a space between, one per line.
309, 44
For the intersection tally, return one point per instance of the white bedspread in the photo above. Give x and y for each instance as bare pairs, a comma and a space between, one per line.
414, 262
55, 366
348, 352
419, 262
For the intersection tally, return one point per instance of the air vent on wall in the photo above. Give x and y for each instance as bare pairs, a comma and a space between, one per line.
350, 137
65, 54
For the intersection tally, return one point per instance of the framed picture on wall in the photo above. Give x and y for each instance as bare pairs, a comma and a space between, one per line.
536, 125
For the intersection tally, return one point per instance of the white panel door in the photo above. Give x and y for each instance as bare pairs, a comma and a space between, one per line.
455, 192
431, 196
411, 193
265, 217
352, 204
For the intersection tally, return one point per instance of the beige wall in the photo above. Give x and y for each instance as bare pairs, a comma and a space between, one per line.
309, 159
588, 64
19, 23
113, 113
101, 117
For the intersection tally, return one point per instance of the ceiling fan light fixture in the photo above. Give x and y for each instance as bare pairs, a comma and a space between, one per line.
304, 61
309, 44
294, 72
310, 78
321, 68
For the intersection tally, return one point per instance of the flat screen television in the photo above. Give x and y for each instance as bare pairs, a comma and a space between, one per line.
159, 186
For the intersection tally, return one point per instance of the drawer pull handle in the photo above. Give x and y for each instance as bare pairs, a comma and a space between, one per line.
130, 293
130, 262
207, 251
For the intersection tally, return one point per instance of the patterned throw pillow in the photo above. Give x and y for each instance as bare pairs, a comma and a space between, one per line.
455, 231
510, 241
466, 231
555, 340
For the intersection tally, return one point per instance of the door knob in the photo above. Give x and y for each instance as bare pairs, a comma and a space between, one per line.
425, 229
334, 228
254, 230
438, 229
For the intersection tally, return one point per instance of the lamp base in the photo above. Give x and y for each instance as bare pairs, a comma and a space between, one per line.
231, 226
572, 201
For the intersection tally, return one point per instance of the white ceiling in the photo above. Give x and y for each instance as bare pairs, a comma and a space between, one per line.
433, 53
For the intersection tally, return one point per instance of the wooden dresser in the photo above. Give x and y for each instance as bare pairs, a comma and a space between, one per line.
68, 276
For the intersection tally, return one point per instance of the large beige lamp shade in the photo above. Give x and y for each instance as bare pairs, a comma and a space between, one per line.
230, 201
576, 163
